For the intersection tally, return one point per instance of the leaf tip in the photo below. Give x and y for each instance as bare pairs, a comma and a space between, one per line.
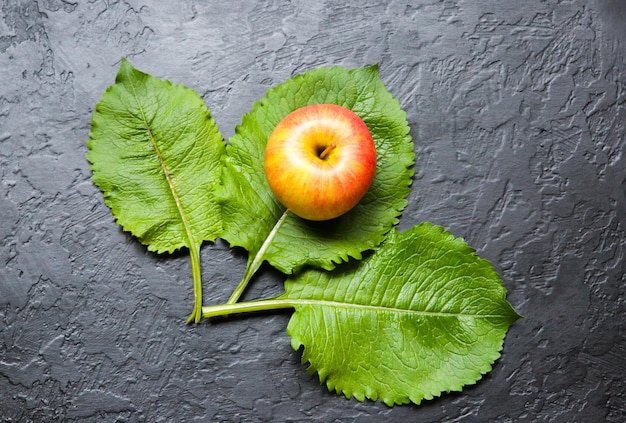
125, 64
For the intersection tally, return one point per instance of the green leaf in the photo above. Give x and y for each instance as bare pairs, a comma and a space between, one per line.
421, 316
252, 214
155, 153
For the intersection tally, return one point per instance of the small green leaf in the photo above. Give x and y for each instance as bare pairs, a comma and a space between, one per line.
421, 316
250, 210
155, 153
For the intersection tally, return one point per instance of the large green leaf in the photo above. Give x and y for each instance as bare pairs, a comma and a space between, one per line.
421, 316
252, 214
155, 153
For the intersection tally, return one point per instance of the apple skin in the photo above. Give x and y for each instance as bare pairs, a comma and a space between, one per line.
320, 160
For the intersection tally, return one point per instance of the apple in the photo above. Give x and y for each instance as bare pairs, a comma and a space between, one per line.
320, 160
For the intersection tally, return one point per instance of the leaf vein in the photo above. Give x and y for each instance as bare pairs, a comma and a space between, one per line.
377, 308
166, 171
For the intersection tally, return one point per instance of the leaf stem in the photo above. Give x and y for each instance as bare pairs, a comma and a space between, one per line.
257, 260
196, 274
246, 307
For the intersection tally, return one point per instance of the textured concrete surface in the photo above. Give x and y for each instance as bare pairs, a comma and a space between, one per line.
518, 112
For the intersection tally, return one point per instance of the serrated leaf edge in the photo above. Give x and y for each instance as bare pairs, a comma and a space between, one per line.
127, 69
391, 400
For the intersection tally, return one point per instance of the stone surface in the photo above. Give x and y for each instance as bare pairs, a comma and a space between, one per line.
518, 112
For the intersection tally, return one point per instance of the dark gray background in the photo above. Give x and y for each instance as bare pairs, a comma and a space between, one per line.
518, 113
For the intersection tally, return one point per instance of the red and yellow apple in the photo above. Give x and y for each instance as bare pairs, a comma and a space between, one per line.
320, 160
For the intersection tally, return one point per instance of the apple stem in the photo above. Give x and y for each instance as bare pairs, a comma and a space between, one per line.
327, 150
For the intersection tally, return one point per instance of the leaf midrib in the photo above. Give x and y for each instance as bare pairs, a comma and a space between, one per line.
191, 243
378, 308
